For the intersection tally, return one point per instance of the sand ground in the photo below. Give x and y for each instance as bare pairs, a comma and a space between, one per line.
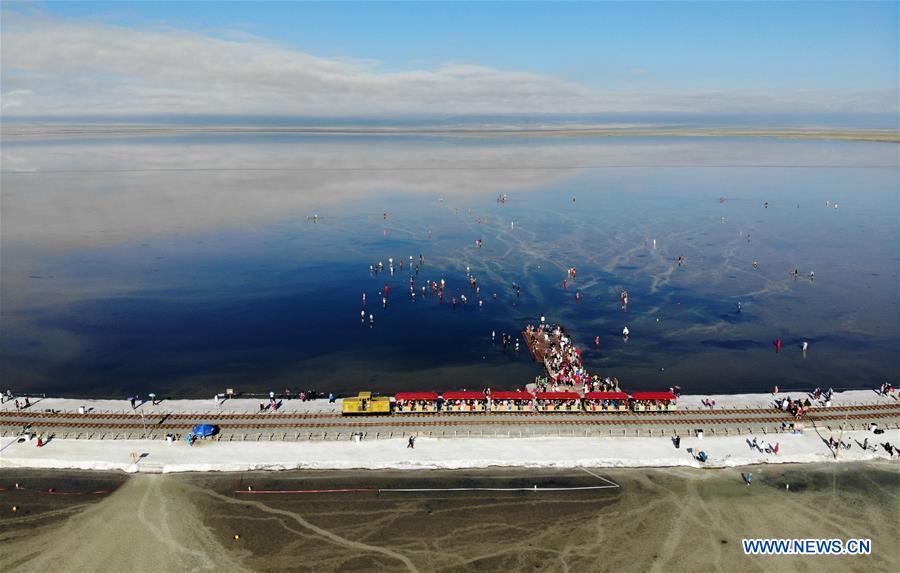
658, 520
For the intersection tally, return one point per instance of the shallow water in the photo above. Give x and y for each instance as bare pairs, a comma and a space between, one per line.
185, 265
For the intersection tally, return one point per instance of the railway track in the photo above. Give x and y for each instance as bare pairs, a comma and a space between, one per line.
35, 415
155, 424
885, 414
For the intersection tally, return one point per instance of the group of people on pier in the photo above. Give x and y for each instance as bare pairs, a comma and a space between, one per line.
561, 358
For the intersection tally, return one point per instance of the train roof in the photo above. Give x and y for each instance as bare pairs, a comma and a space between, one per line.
428, 396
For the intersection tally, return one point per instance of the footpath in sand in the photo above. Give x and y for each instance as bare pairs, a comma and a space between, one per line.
656, 520
146, 525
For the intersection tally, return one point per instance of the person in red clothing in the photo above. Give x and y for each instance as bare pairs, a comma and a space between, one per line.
777, 345
775, 449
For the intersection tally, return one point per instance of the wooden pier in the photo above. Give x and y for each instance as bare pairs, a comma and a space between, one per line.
539, 346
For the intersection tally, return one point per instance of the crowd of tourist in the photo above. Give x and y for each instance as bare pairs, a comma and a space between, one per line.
562, 359
795, 407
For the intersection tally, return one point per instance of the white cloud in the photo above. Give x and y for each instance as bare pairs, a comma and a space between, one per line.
59, 67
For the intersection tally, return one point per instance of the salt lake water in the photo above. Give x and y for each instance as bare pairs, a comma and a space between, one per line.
183, 265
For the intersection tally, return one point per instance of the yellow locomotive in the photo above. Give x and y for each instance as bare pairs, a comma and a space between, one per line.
366, 404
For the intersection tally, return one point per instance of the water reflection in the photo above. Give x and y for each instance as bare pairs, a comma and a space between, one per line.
174, 264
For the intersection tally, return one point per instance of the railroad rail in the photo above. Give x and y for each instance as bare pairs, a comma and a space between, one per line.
105, 425
32, 414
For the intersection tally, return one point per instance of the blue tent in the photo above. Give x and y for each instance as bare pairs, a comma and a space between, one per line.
204, 430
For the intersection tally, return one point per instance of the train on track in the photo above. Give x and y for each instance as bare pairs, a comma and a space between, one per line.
508, 402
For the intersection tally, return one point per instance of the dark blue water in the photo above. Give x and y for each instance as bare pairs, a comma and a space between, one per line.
188, 265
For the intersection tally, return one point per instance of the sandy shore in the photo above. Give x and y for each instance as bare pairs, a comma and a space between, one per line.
251, 405
158, 456
657, 520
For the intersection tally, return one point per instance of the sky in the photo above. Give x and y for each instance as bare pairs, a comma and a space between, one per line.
433, 58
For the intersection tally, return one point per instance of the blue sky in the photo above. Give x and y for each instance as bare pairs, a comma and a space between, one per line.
672, 56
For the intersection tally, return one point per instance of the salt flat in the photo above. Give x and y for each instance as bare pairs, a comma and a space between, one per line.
432, 453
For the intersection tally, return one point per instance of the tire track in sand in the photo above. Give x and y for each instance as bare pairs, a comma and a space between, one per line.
318, 530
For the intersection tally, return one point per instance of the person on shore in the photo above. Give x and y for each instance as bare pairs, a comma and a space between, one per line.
40, 441
27, 402
133, 403
412, 443
775, 448
18, 407
331, 398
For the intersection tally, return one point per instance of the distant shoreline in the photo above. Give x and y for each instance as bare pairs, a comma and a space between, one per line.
49, 131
